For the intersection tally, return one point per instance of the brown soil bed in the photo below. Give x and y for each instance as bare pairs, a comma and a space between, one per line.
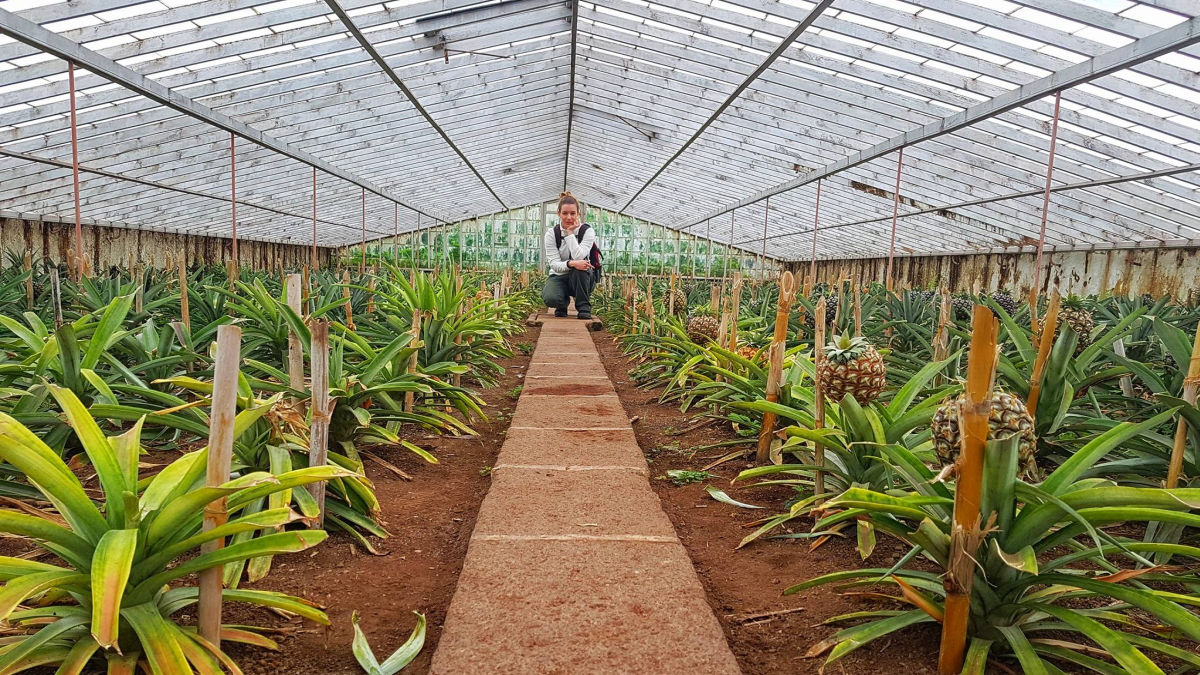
430, 519
750, 581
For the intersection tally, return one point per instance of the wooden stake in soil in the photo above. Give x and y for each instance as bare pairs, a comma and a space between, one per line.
1191, 386
29, 280
735, 303
346, 295
671, 296
409, 396
857, 305
715, 299
318, 441
185, 311
965, 537
307, 292
295, 349
220, 457
819, 394
56, 296
787, 291
1127, 379
1044, 345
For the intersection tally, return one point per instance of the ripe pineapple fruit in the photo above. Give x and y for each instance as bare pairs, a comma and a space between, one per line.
680, 301
1079, 318
1005, 301
702, 326
750, 353
852, 366
1008, 417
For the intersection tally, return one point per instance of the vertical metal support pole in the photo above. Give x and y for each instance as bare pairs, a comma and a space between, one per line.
708, 248
295, 349
75, 175
315, 266
895, 217
233, 273
362, 258
396, 234
728, 250
1036, 290
412, 241
220, 457
812, 266
762, 258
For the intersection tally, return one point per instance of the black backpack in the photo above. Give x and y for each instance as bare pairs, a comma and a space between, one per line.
593, 255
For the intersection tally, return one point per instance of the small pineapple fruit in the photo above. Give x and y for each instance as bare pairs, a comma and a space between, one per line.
1079, 318
1008, 417
1005, 301
750, 353
680, 301
852, 366
831, 305
962, 305
702, 326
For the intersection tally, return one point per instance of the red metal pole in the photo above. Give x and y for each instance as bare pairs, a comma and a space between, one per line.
314, 200
362, 260
812, 267
233, 194
1037, 265
895, 216
75, 175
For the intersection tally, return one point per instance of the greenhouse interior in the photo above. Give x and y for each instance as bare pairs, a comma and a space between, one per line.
599, 336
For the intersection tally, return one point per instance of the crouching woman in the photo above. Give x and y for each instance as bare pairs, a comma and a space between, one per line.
569, 250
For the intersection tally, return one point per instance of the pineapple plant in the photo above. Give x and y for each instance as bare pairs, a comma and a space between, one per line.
962, 305
702, 326
852, 366
1079, 318
831, 305
1005, 302
1008, 417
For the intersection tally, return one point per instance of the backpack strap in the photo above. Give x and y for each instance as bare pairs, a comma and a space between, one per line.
558, 237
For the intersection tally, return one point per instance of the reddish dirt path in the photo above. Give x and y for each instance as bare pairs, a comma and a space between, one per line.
573, 567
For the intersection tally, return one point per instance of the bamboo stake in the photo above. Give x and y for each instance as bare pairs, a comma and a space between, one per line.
346, 295
139, 277
371, 296
1044, 345
318, 440
295, 349
819, 395
857, 305
715, 299
735, 303
965, 537
307, 289
941, 338
1191, 386
787, 291
671, 296
220, 457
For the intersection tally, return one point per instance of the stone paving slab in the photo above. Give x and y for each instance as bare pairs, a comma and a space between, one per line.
574, 448
609, 501
539, 386
582, 606
560, 366
570, 412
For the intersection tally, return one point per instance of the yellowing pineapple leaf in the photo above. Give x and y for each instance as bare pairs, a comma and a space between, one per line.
110, 573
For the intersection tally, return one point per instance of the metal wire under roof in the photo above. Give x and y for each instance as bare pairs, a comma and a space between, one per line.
721, 116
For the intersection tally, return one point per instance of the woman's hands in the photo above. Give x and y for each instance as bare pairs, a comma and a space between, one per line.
582, 265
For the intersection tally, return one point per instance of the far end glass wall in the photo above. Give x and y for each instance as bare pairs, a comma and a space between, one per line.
513, 239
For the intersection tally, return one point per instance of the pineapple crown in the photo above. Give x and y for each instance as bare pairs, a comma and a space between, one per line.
1073, 302
702, 310
845, 348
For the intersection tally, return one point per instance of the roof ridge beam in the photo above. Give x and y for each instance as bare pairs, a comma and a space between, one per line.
378, 58
1163, 42
783, 46
34, 35
571, 97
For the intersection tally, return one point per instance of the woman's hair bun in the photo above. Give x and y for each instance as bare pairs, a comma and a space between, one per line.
565, 193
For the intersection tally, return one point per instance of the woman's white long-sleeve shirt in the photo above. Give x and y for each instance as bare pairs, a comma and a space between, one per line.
572, 248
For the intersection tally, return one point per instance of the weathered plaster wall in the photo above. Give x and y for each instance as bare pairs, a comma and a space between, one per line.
107, 246
1171, 272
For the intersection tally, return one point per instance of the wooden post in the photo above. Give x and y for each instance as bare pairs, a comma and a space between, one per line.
735, 303
220, 457
295, 349
346, 295
857, 305
1126, 379
184, 307
318, 441
307, 292
671, 296
819, 394
965, 537
410, 397
715, 298
371, 297
941, 337
787, 290
139, 277
28, 280
56, 296
1044, 345
1191, 386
